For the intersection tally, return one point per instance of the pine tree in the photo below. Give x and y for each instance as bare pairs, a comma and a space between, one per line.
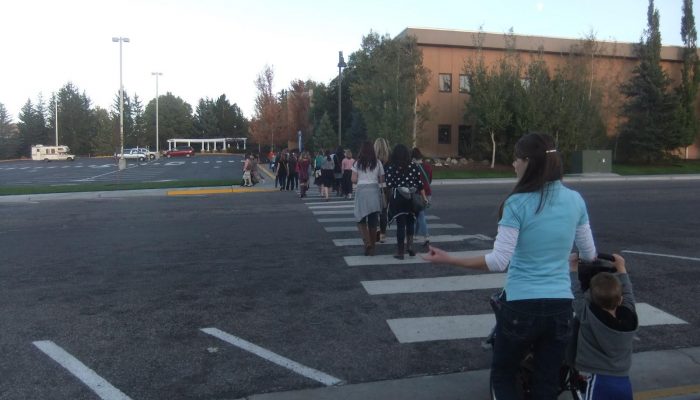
650, 129
139, 131
324, 136
690, 78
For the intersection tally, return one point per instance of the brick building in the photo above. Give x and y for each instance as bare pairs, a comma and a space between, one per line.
445, 53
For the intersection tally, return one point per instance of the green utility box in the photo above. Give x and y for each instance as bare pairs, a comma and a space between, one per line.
591, 161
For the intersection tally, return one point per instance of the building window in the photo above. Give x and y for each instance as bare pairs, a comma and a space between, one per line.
464, 84
525, 83
444, 134
445, 82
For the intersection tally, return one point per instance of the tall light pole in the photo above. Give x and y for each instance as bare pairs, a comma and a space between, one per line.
122, 161
341, 65
157, 74
55, 103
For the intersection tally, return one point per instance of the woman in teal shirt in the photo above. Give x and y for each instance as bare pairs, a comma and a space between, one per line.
538, 223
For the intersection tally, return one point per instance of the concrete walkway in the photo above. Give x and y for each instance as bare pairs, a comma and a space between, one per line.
668, 374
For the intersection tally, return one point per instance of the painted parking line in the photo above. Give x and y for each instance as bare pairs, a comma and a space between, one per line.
392, 227
453, 327
95, 382
327, 220
643, 253
433, 239
275, 358
431, 285
387, 259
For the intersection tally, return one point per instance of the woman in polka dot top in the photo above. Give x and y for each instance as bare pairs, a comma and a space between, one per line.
402, 173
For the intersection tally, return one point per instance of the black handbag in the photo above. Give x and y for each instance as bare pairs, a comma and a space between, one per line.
417, 202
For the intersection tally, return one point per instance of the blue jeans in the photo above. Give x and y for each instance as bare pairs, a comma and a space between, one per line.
538, 325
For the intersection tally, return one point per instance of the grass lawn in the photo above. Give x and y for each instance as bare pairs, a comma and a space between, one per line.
676, 167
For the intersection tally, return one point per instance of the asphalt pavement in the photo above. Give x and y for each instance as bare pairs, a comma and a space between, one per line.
671, 373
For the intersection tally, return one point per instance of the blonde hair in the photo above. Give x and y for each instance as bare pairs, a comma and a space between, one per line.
381, 148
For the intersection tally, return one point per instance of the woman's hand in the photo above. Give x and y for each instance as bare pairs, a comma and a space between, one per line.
573, 262
435, 255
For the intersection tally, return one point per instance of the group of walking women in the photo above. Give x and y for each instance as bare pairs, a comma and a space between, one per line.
383, 179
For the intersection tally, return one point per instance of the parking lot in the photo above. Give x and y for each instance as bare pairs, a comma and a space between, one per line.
104, 170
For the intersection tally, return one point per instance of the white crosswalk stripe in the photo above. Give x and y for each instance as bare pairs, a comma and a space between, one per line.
392, 227
433, 239
433, 328
343, 219
452, 327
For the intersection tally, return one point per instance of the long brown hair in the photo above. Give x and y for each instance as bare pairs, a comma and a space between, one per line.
543, 166
367, 158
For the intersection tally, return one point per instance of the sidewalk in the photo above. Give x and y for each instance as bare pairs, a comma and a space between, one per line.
667, 375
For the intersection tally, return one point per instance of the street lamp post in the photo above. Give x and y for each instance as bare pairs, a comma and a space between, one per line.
341, 65
122, 161
157, 74
55, 103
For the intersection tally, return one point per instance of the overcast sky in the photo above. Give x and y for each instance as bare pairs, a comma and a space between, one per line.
206, 48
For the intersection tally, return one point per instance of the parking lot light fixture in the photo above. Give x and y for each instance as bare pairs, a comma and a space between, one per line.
122, 161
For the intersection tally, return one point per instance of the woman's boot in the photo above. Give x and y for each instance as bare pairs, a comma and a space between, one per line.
371, 240
399, 251
409, 246
364, 234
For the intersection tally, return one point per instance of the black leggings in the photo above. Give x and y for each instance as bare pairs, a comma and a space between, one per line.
405, 225
371, 221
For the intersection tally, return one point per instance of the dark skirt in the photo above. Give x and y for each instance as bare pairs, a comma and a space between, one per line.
327, 177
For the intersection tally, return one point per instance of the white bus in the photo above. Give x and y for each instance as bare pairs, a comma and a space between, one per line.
51, 153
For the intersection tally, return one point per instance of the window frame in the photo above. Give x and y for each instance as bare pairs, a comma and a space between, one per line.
440, 138
440, 82
468, 85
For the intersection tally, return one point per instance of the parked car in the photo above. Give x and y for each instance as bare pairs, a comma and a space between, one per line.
185, 151
132, 154
151, 155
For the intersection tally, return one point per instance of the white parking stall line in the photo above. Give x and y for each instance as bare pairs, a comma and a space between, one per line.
171, 163
392, 227
219, 161
643, 253
332, 212
205, 162
231, 161
101, 175
95, 382
310, 373
432, 285
343, 219
387, 259
328, 206
433, 239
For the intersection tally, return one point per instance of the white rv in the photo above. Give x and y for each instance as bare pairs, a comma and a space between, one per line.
51, 153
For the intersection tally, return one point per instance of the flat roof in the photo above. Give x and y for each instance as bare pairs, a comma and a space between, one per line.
528, 43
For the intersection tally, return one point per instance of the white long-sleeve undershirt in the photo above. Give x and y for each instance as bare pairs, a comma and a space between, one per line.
507, 238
